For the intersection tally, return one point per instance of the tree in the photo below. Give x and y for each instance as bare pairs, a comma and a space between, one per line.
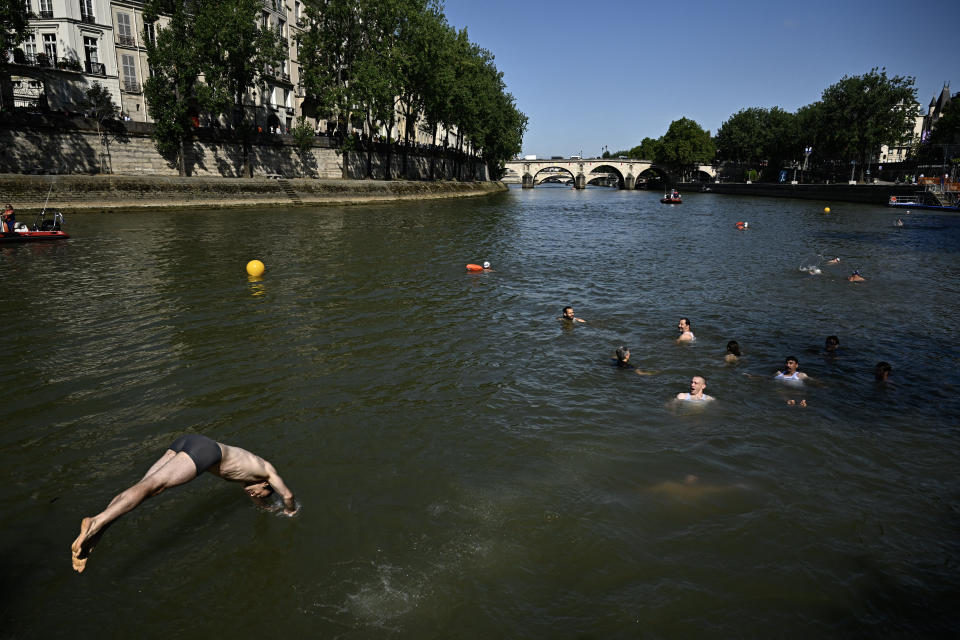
861, 113
742, 138
174, 94
685, 145
328, 53
14, 19
235, 55
98, 104
758, 136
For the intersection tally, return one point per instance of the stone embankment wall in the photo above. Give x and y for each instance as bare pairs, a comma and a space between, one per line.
826, 193
98, 193
54, 144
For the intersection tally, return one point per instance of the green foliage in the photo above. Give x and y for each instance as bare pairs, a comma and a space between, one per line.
370, 59
234, 53
756, 135
303, 135
14, 18
173, 91
685, 144
859, 114
98, 103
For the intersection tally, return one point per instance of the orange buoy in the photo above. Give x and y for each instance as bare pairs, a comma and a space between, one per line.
893, 198
474, 267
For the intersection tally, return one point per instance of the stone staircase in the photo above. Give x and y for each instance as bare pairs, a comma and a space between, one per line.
289, 190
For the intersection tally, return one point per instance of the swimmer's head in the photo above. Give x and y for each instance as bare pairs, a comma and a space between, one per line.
791, 363
623, 354
882, 371
258, 489
567, 313
733, 347
486, 265
684, 324
832, 343
856, 272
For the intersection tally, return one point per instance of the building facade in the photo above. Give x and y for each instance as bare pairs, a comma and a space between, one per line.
69, 46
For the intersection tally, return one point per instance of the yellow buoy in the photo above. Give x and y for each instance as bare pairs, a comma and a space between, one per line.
255, 268
826, 209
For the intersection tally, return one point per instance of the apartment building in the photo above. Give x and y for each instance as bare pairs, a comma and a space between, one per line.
73, 43
68, 46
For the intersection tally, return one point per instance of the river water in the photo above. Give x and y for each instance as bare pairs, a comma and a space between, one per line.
467, 465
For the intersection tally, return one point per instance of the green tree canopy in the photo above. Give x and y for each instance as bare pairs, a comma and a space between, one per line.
173, 91
859, 114
235, 54
685, 144
14, 18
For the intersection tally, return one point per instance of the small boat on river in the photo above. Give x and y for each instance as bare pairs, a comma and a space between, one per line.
672, 198
43, 229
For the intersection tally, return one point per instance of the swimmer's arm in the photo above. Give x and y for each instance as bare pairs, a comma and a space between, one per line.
275, 481
579, 320
682, 396
644, 373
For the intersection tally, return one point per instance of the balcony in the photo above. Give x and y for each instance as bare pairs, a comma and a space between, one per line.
87, 19
126, 41
95, 68
131, 86
45, 15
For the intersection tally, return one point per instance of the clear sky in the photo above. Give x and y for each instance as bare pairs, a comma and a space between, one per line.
590, 74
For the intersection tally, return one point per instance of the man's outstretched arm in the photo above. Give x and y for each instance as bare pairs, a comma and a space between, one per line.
289, 504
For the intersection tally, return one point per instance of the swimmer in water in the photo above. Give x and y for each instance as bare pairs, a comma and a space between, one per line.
832, 345
486, 266
882, 371
185, 459
567, 315
812, 269
697, 385
834, 260
791, 365
733, 351
794, 403
622, 361
686, 331
898, 223
856, 277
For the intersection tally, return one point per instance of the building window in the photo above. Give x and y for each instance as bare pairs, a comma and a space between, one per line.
86, 11
92, 56
151, 33
124, 30
129, 65
30, 47
50, 46
46, 9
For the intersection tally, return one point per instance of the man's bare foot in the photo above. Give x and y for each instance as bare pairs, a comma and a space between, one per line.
80, 548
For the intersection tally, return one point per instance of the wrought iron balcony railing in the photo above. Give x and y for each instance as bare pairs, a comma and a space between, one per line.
126, 41
96, 68
131, 86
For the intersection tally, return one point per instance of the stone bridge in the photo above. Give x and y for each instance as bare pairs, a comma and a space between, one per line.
583, 171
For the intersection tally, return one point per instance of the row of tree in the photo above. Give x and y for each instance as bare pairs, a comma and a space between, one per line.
362, 63
367, 61
852, 120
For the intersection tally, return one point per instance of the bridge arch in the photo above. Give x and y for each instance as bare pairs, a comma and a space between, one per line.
553, 171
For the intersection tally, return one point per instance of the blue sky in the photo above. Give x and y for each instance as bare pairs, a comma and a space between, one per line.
590, 74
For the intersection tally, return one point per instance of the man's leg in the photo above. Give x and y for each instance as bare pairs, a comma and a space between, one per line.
164, 459
178, 469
